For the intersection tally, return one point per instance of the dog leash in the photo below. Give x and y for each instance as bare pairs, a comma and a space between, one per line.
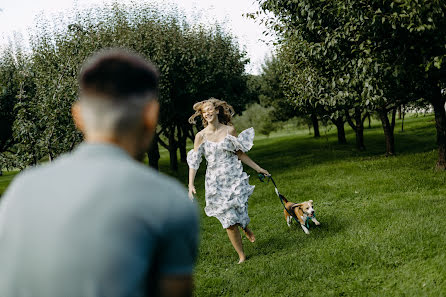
270, 178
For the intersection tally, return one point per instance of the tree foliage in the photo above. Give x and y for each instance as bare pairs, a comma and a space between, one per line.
359, 55
16, 85
195, 62
258, 117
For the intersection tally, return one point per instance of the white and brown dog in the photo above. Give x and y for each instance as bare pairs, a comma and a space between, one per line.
301, 211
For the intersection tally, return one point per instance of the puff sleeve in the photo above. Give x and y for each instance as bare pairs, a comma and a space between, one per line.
244, 141
194, 158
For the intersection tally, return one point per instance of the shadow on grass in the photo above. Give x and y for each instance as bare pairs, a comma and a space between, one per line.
283, 153
288, 238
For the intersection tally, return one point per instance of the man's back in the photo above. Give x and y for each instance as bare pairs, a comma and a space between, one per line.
106, 226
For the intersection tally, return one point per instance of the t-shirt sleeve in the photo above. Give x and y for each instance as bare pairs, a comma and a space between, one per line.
179, 246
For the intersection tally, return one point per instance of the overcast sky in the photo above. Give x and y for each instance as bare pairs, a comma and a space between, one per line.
18, 15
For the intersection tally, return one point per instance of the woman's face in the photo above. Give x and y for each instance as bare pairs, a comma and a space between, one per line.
209, 112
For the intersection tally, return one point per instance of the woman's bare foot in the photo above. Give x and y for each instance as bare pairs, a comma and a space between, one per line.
249, 234
242, 259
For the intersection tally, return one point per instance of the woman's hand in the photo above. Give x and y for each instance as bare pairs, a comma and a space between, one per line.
263, 171
192, 192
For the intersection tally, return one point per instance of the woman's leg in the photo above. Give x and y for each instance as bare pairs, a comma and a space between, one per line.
236, 240
249, 234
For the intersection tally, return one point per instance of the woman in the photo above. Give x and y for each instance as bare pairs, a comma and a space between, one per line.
227, 187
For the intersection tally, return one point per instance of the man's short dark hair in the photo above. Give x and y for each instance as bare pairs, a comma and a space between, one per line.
118, 74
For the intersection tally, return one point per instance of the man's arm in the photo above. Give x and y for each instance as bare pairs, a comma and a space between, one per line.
179, 248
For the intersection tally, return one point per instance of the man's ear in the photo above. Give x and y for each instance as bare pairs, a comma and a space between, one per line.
151, 112
77, 116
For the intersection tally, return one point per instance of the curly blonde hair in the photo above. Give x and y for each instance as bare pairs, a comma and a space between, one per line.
225, 111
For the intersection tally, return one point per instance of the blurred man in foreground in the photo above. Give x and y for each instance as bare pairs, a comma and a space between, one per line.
96, 222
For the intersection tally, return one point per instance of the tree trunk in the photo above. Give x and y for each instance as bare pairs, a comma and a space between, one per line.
50, 155
182, 138
154, 154
402, 119
360, 139
315, 122
339, 123
173, 145
34, 162
358, 127
368, 116
190, 133
359, 130
440, 125
388, 130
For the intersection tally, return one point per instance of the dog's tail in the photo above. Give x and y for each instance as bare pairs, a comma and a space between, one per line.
283, 198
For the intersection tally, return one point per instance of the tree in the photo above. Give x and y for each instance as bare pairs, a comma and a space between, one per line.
196, 62
8, 92
276, 92
318, 74
378, 54
258, 117
16, 85
310, 92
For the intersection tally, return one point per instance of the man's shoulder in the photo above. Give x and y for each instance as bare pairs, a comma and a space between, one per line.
39, 171
153, 180
165, 192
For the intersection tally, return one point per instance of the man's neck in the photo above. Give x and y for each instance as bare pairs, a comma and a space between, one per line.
104, 139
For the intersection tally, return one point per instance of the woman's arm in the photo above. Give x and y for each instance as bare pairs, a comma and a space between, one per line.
245, 158
192, 172
248, 161
192, 191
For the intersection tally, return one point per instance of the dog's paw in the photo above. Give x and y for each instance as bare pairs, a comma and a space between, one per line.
317, 223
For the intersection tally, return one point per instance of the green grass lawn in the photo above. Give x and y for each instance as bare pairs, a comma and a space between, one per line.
383, 231
5, 180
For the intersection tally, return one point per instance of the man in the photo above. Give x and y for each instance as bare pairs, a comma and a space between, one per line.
96, 222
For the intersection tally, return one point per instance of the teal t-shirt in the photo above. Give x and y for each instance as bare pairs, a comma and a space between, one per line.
94, 223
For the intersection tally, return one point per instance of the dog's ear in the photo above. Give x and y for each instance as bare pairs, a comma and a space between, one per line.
297, 207
311, 201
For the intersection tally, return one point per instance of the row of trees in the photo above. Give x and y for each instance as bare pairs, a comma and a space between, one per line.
343, 60
38, 87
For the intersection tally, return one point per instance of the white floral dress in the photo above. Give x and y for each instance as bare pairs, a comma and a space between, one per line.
227, 186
